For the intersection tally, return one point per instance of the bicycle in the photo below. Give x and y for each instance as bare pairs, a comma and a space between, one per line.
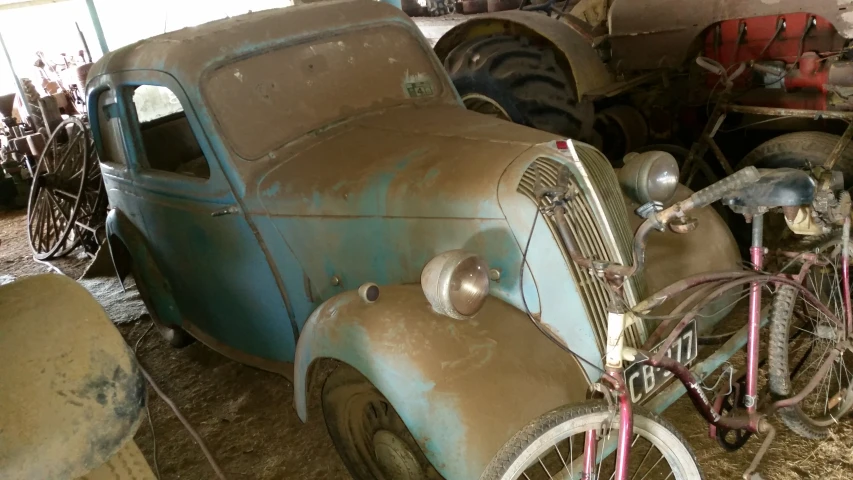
548, 444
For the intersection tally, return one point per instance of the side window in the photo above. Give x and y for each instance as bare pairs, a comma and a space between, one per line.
168, 140
109, 127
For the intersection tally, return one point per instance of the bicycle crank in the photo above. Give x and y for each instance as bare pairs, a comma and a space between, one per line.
729, 404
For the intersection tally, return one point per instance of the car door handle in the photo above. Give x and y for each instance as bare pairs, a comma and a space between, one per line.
225, 211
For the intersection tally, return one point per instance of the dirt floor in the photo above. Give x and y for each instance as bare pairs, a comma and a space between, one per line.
247, 419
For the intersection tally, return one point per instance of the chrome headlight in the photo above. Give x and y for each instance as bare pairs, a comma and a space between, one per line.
649, 177
456, 283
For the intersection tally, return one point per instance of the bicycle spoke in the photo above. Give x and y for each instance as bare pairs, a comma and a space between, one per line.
653, 466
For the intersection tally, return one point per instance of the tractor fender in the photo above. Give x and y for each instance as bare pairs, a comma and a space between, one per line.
126, 243
463, 388
569, 36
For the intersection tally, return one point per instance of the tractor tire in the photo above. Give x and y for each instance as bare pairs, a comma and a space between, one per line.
515, 80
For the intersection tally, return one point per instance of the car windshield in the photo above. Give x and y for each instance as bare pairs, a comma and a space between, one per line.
263, 101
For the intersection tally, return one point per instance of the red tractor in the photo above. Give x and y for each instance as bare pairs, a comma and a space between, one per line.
688, 76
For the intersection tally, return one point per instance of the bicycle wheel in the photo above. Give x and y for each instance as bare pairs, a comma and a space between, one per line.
801, 338
551, 447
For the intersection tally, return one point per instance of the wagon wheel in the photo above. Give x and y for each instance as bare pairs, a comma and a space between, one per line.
89, 225
60, 181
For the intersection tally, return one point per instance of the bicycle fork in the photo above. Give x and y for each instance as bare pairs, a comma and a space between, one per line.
614, 350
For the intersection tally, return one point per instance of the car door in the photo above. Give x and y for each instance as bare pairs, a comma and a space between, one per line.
199, 236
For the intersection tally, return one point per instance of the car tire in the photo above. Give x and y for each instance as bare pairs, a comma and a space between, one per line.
369, 435
176, 336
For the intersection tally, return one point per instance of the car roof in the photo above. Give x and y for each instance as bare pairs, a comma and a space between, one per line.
187, 53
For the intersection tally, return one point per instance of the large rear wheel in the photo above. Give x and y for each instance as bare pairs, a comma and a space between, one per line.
517, 80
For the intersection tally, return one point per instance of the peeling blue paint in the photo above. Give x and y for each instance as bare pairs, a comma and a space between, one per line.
272, 190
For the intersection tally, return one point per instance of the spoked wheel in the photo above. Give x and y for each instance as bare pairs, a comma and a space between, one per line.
795, 359
89, 225
370, 436
58, 191
68, 201
552, 447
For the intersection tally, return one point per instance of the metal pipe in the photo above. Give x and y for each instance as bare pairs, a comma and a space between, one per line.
790, 112
658, 298
756, 253
626, 430
698, 397
15, 76
96, 23
589, 454
703, 369
842, 143
759, 278
845, 274
85, 44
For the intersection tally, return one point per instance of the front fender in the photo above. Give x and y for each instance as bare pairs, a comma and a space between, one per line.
463, 388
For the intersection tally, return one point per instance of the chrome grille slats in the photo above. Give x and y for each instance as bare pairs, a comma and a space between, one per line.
587, 229
603, 177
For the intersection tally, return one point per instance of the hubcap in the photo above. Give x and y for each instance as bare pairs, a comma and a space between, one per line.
395, 458
485, 105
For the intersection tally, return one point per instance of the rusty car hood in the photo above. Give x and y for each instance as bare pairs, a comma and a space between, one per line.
405, 162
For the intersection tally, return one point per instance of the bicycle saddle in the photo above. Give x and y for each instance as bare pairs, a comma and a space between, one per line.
71, 391
777, 187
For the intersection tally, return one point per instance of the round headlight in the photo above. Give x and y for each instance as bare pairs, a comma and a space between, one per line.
456, 283
649, 177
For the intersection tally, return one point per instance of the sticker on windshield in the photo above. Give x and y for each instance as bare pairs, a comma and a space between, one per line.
418, 85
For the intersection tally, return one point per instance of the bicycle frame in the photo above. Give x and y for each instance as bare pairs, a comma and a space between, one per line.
616, 352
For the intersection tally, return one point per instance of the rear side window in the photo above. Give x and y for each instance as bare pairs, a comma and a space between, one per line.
111, 148
169, 142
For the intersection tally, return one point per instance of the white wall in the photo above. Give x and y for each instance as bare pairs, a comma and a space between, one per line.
50, 28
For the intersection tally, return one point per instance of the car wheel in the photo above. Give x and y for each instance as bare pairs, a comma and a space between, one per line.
369, 435
176, 336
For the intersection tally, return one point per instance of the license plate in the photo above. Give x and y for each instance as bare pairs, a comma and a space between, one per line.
643, 380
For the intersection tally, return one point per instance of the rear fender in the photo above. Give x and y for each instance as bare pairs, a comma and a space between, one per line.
568, 36
127, 245
463, 388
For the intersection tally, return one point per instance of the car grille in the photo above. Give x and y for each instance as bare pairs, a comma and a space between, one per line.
588, 221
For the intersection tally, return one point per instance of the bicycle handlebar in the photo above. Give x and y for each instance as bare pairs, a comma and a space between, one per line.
708, 195
702, 198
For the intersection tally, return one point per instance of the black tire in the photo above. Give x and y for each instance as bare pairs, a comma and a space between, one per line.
360, 420
176, 336
801, 150
790, 350
525, 80
522, 449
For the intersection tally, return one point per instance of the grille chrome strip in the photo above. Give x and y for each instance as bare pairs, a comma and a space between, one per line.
608, 238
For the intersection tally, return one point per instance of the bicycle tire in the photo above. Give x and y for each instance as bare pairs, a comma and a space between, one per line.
798, 420
526, 447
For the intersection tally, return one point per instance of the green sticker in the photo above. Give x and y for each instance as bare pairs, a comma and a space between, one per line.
419, 89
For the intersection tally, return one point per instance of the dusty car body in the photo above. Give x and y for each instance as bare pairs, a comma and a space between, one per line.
298, 155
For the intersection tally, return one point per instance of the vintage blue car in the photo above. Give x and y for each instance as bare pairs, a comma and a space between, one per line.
278, 183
